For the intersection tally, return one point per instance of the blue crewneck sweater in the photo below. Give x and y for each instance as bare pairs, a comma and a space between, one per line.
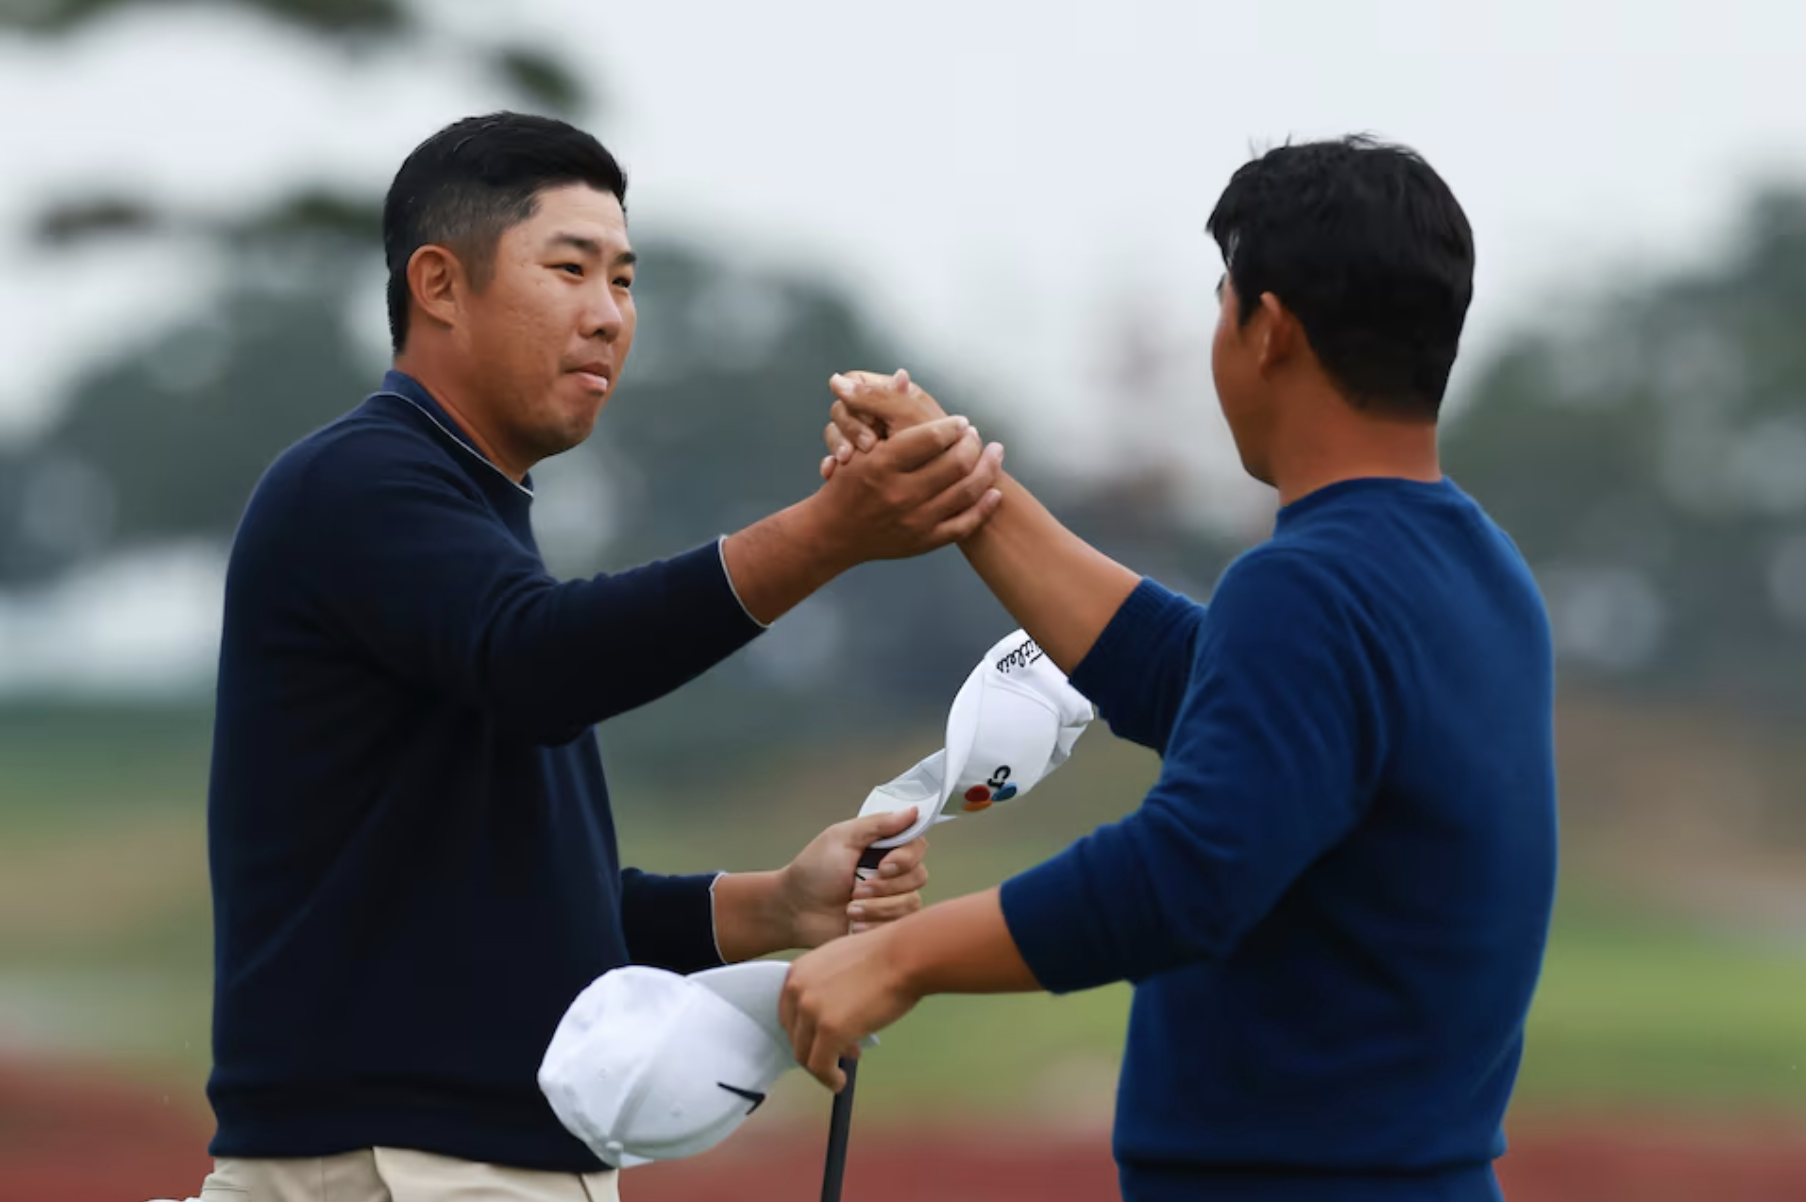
413, 862
1334, 902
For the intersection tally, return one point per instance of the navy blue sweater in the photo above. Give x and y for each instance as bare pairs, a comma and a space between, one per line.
1334, 902
413, 862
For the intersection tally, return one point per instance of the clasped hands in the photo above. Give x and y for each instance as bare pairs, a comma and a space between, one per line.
925, 478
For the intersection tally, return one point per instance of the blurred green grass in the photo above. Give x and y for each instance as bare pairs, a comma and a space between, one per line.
1644, 1008
105, 939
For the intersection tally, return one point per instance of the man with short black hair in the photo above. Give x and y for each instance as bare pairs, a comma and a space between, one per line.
413, 861
1334, 902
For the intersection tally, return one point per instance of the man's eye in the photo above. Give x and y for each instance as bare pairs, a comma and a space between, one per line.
573, 268
624, 281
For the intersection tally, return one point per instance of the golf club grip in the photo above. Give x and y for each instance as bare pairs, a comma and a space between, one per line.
869, 859
839, 1126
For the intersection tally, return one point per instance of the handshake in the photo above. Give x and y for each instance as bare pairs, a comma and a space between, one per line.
901, 477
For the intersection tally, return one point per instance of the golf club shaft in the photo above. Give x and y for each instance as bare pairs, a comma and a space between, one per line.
840, 1123
839, 1126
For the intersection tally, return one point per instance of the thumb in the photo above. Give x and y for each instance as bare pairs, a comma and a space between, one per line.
873, 827
848, 384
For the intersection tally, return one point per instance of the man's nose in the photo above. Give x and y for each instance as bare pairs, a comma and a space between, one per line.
604, 319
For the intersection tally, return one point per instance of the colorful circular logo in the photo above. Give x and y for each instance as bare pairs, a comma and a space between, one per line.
1001, 788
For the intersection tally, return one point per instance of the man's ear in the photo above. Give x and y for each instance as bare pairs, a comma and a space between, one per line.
437, 280
1278, 337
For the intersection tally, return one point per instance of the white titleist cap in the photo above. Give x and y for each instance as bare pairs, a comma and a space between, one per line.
1014, 721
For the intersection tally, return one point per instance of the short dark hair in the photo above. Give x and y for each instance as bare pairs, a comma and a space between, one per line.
474, 180
1367, 246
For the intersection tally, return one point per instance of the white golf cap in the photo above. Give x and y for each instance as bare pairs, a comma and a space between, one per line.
649, 1065
1014, 720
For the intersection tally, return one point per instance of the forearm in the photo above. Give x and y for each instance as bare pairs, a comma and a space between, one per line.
777, 563
1061, 589
960, 946
751, 917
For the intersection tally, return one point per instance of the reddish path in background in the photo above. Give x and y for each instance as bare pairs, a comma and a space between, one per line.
1595, 1162
66, 1136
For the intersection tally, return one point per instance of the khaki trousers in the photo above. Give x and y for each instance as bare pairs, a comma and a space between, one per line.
398, 1175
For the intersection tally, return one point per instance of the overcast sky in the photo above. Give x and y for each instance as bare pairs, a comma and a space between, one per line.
994, 178
1001, 183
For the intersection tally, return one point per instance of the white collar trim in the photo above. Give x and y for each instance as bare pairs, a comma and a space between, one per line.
462, 445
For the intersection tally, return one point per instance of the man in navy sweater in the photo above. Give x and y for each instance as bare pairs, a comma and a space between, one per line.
413, 862
1333, 904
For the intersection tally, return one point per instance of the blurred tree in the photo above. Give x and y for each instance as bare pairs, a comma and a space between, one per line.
1649, 455
167, 442
354, 25
327, 18
717, 423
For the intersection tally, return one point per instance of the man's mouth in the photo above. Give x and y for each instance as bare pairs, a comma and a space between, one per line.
593, 378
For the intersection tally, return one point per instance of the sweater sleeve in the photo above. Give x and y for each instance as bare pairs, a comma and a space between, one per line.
1273, 758
670, 920
1138, 670
417, 571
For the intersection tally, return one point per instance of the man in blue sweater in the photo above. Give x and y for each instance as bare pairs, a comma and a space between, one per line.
413, 861
1333, 904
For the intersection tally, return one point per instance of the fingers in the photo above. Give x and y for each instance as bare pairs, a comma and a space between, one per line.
797, 1019
861, 388
890, 403
824, 1063
969, 490
842, 433
909, 879
898, 863
839, 449
856, 380
824, 1057
807, 1044
878, 911
920, 445
863, 832
846, 429
948, 468
964, 525
896, 892
867, 382
861, 393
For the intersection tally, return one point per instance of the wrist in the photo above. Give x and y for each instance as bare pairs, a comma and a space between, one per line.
784, 910
753, 915
908, 955
778, 562
816, 526
777, 911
